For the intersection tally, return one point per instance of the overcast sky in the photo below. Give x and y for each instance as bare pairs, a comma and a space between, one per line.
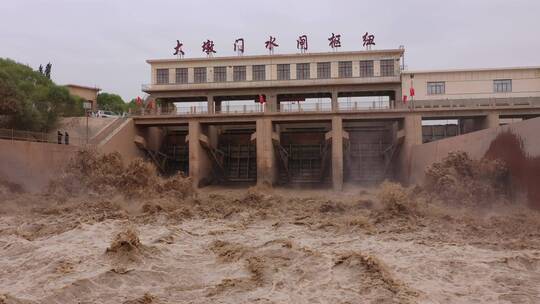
105, 43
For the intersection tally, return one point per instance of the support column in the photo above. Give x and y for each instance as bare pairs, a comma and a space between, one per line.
271, 103
217, 106
200, 166
412, 130
210, 104
337, 153
266, 164
491, 121
335, 106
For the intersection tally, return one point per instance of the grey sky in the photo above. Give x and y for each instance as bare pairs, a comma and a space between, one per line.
106, 42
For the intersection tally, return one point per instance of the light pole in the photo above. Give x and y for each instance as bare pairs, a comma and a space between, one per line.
87, 105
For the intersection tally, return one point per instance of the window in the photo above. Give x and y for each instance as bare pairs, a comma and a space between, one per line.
239, 73
435, 88
387, 67
259, 72
283, 72
220, 74
323, 70
162, 76
502, 85
366, 68
182, 75
199, 75
345, 69
302, 71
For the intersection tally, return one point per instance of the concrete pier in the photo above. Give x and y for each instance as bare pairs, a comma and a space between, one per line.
200, 166
266, 160
337, 153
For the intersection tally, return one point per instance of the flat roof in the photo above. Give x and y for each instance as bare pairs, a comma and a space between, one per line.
295, 55
470, 70
83, 87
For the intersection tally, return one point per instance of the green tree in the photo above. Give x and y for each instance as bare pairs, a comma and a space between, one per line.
48, 68
132, 104
31, 101
111, 102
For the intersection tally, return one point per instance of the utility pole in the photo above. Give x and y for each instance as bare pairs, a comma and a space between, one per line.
87, 105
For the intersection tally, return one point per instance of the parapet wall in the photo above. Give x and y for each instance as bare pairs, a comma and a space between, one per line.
517, 144
32, 164
121, 140
476, 144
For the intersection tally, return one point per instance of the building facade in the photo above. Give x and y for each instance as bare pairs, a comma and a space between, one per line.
316, 118
503, 85
279, 78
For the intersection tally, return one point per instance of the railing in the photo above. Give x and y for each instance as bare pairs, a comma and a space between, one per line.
240, 109
363, 105
191, 110
199, 110
349, 106
306, 107
42, 137
476, 103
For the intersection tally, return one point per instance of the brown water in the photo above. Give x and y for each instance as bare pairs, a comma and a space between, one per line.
265, 246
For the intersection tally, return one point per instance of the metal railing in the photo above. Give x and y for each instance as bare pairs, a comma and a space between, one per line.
363, 105
476, 103
42, 137
305, 107
240, 109
349, 106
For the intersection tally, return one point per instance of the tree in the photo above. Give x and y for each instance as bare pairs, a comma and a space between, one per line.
31, 101
111, 102
132, 105
48, 70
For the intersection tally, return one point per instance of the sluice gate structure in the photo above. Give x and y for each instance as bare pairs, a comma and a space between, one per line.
319, 119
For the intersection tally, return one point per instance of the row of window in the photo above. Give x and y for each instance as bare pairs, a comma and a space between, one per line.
499, 86
283, 72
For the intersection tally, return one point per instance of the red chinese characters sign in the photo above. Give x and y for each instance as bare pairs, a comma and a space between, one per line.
270, 44
178, 49
302, 43
208, 47
335, 41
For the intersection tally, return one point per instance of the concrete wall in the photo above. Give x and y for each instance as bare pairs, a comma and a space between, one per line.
76, 127
518, 144
121, 140
32, 164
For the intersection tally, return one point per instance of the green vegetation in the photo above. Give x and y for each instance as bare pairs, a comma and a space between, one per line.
31, 101
111, 102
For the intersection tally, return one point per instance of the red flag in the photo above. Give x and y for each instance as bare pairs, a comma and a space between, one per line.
138, 101
404, 98
411, 92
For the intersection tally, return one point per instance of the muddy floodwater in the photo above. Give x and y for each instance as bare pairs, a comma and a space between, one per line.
106, 232
270, 246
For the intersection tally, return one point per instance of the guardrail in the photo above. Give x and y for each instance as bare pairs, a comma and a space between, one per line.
240, 109
350, 106
42, 137
305, 107
476, 103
